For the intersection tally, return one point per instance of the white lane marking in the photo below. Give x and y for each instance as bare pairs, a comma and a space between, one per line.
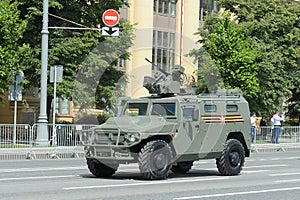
288, 181
254, 171
37, 177
292, 158
276, 159
285, 174
264, 166
145, 183
238, 193
205, 162
40, 169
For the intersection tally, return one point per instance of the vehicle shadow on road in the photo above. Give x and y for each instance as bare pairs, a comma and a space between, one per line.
122, 175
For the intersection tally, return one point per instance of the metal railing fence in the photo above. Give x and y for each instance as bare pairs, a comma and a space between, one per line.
20, 141
11, 135
267, 134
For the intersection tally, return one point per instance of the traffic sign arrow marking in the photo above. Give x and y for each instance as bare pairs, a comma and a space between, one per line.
110, 31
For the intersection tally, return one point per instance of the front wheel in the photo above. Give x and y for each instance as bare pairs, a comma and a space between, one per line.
155, 159
232, 158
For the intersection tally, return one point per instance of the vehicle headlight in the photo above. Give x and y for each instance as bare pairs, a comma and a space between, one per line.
133, 137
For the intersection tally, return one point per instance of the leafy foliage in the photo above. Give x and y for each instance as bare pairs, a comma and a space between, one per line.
72, 49
12, 53
225, 43
273, 26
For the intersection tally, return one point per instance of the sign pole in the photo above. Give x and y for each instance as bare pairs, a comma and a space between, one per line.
56, 75
15, 111
54, 108
15, 122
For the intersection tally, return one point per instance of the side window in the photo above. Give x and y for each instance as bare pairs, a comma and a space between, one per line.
163, 109
232, 108
210, 108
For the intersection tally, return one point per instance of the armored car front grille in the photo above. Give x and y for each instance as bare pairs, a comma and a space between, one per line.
109, 137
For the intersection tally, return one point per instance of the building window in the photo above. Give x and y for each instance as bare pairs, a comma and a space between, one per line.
173, 8
122, 62
159, 38
153, 57
165, 7
171, 57
164, 60
62, 106
172, 41
158, 58
65, 107
163, 51
208, 6
160, 6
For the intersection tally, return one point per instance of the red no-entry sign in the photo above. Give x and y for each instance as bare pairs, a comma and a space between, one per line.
110, 17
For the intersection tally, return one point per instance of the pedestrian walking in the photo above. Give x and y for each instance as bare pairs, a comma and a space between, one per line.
253, 126
276, 120
263, 128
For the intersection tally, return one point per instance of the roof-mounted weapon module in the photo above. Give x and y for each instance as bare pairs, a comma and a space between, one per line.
165, 83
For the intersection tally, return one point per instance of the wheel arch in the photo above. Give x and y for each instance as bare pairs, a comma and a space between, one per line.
136, 148
239, 136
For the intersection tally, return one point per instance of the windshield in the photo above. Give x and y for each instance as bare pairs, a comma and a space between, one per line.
136, 109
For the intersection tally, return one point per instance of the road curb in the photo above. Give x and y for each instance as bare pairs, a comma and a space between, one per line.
41, 153
275, 147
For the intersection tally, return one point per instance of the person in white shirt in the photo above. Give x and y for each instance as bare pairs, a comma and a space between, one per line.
276, 120
253, 126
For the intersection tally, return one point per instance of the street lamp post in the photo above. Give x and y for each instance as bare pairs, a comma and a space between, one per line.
42, 131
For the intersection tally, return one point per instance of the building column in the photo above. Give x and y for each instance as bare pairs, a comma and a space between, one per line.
140, 14
187, 24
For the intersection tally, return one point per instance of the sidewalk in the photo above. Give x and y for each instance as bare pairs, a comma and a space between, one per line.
78, 151
41, 153
275, 147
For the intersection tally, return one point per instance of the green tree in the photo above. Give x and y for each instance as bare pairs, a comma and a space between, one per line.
225, 43
273, 26
73, 49
12, 53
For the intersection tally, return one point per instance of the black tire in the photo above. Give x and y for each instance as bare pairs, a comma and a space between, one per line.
100, 169
155, 160
182, 167
232, 159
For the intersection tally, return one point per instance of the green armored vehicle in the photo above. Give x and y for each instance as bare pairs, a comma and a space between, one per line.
170, 130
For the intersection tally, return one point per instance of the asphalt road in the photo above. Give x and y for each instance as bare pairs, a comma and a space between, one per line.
265, 176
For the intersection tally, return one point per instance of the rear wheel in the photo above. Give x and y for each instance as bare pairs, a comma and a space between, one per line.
155, 159
182, 167
100, 169
232, 159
